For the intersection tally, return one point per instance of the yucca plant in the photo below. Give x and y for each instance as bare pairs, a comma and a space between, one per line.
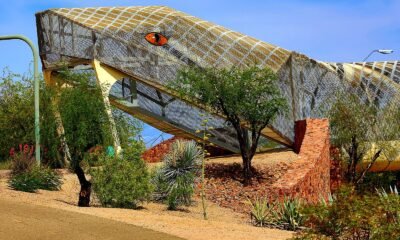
178, 174
184, 157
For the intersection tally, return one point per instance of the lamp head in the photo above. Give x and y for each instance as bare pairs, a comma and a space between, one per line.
385, 51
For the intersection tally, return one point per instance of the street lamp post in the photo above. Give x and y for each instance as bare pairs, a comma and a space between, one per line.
36, 87
381, 51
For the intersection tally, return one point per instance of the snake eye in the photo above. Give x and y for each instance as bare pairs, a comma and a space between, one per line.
156, 39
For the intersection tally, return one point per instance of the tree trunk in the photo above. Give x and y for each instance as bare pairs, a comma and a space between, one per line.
351, 173
244, 150
86, 187
247, 174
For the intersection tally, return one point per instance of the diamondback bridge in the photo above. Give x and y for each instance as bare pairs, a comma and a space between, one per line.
136, 51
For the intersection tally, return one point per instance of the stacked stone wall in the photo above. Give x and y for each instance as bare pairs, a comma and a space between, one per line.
308, 177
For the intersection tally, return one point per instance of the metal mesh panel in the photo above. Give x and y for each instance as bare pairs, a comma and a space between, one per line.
176, 112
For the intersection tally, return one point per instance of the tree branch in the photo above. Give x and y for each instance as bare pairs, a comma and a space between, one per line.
374, 158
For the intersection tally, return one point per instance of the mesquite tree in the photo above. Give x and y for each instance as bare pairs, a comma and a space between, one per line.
363, 132
85, 123
248, 98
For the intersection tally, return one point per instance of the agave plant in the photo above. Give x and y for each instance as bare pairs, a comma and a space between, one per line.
291, 217
177, 176
262, 212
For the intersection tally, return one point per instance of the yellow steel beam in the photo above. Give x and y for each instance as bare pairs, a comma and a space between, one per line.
52, 81
106, 77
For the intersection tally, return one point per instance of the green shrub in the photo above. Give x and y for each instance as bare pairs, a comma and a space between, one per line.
122, 182
175, 179
34, 179
352, 216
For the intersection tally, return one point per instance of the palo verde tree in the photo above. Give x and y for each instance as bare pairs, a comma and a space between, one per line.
85, 123
363, 132
248, 98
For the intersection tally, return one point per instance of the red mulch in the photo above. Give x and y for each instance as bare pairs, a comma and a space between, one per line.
224, 184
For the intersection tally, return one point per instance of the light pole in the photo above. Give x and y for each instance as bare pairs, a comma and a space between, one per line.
36, 87
381, 51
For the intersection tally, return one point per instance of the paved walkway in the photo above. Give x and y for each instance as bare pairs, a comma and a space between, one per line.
22, 221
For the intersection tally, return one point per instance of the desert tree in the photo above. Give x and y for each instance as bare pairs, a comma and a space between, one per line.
85, 123
249, 98
363, 132
17, 117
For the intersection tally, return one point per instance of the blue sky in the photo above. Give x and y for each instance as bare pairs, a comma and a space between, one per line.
328, 30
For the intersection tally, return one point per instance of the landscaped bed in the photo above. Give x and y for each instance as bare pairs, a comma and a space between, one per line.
224, 178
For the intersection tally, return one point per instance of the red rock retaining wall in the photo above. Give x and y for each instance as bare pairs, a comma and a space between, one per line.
308, 177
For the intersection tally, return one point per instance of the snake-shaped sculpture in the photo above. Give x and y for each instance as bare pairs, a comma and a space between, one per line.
150, 44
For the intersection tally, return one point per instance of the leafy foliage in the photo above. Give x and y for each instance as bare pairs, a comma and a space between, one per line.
248, 95
122, 182
16, 111
128, 129
85, 122
17, 117
358, 128
175, 179
352, 216
86, 125
36, 178
83, 114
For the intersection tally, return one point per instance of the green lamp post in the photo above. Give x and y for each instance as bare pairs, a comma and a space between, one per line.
36, 86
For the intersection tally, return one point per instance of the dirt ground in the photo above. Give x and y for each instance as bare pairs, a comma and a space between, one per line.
223, 223
22, 221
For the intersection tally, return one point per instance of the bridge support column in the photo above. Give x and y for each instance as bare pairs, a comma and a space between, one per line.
106, 77
50, 81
